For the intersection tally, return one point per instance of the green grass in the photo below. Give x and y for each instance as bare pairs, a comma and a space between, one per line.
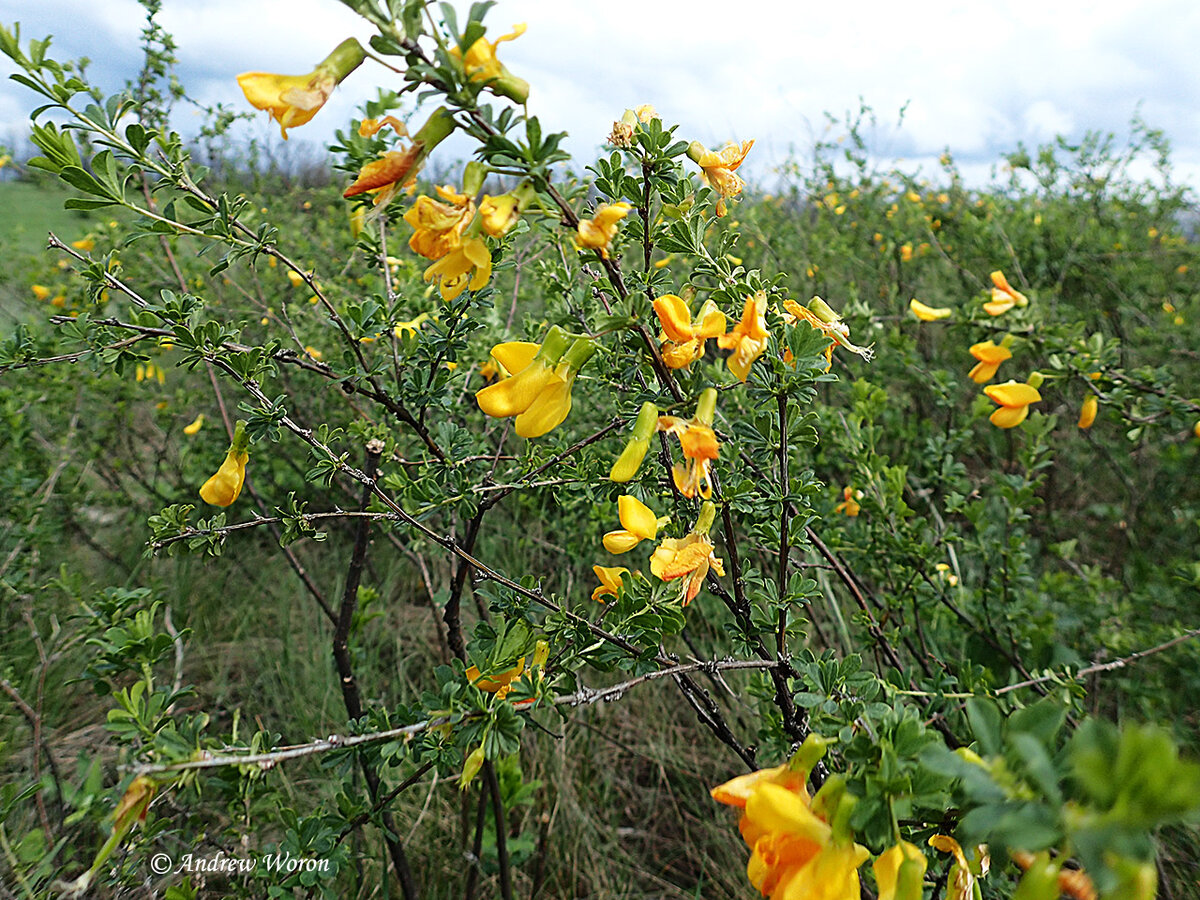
30, 210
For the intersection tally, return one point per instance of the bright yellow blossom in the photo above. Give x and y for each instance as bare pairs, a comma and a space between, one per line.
194, 426
597, 232
990, 355
481, 64
226, 483
539, 394
438, 225
748, 339
929, 313
610, 581
1004, 296
40, 291
454, 270
292, 100
718, 168
684, 341
638, 523
1014, 399
87, 245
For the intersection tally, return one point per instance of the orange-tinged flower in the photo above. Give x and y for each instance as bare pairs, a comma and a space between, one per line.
638, 523
796, 853
688, 557
1004, 296
610, 581
499, 684
438, 225
990, 355
717, 168
849, 505
292, 100
597, 232
396, 169
40, 291
1087, 413
481, 64
748, 339
1014, 398
699, 444
929, 313
684, 340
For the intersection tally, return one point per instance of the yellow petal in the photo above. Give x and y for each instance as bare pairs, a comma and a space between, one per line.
1009, 416
1013, 393
548, 409
675, 317
620, 541
225, 485
637, 518
515, 395
983, 372
1087, 414
929, 313
515, 356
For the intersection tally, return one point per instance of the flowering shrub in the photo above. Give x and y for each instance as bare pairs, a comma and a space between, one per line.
856, 574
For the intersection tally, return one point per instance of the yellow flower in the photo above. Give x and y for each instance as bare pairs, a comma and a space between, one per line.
295, 278
1004, 296
87, 245
610, 581
500, 684
498, 214
597, 232
906, 253
820, 316
226, 484
292, 100
438, 226
313, 353
717, 168
638, 523
688, 557
849, 505
929, 313
699, 444
796, 854
990, 355
684, 341
553, 403
539, 395
454, 270
1087, 413
899, 871
1014, 399
749, 337
194, 426
480, 64
410, 326
40, 291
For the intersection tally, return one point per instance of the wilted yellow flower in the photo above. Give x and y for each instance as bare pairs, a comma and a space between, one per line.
690, 556
454, 270
1087, 413
498, 214
226, 484
820, 316
961, 882
1014, 399
481, 64
499, 684
748, 339
684, 340
396, 169
292, 100
610, 581
699, 444
195, 425
1004, 296
597, 232
990, 355
638, 523
717, 168
849, 505
929, 313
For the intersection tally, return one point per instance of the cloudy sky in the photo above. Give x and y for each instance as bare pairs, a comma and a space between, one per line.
974, 77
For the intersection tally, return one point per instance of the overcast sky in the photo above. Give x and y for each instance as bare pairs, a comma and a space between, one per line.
977, 77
